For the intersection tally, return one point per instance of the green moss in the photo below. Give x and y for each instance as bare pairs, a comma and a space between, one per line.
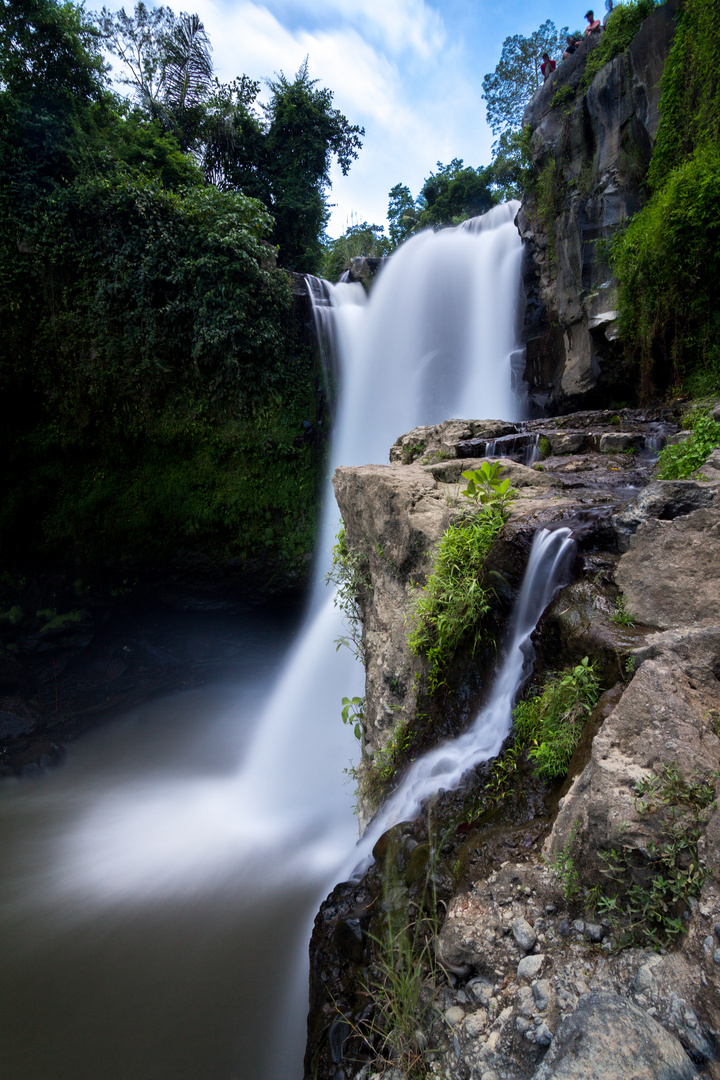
548, 191
544, 447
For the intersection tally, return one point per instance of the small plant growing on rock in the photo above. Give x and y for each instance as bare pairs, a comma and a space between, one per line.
677, 462
485, 486
562, 865
353, 713
649, 888
552, 722
349, 573
621, 614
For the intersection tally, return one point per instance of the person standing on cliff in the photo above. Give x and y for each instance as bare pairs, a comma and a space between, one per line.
593, 26
609, 7
547, 67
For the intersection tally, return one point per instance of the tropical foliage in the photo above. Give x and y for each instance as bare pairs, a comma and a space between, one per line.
668, 260
153, 390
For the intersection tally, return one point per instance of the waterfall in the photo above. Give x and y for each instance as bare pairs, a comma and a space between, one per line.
445, 766
437, 338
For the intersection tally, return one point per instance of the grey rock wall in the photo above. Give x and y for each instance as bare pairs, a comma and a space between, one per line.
592, 152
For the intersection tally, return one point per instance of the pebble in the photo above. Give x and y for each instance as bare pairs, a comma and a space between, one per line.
594, 932
531, 966
717, 930
481, 990
522, 1025
716, 956
526, 1001
579, 926
454, 1015
564, 928
543, 1035
524, 934
476, 1023
644, 979
541, 994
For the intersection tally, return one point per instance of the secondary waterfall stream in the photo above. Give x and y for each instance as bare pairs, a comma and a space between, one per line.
156, 911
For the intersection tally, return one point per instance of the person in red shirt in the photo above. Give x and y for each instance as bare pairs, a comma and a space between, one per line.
547, 67
593, 25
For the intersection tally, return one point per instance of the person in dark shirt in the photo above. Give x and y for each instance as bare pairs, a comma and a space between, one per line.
572, 44
609, 7
547, 67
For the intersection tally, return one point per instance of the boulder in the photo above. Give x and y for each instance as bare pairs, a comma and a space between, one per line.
609, 1038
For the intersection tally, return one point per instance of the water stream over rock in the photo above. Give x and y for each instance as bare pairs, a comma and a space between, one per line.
140, 899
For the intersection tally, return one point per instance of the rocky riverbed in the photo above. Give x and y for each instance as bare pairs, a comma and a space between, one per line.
572, 929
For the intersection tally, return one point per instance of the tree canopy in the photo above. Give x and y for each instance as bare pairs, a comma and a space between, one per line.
152, 385
280, 152
507, 89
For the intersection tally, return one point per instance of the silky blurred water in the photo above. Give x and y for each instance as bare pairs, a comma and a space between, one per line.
157, 892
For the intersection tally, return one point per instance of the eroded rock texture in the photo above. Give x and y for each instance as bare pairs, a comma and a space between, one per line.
592, 150
546, 968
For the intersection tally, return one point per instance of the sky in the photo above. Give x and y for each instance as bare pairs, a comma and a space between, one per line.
409, 71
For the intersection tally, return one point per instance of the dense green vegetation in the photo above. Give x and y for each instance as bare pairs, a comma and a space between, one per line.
668, 260
452, 606
551, 723
678, 461
155, 393
622, 26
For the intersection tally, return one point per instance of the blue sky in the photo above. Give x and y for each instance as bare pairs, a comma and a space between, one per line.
409, 71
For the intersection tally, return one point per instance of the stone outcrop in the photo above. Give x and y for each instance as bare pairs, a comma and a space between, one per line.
591, 149
538, 976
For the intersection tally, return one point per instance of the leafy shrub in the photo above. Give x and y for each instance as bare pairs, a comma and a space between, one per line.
452, 606
648, 900
552, 721
676, 462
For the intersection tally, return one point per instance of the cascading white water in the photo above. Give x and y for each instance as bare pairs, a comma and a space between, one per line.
435, 340
445, 766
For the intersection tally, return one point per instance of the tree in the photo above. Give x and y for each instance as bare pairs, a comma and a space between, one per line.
302, 135
402, 214
448, 197
166, 61
362, 239
507, 90
137, 41
453, 194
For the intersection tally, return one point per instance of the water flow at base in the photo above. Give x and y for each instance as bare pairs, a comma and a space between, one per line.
109, 861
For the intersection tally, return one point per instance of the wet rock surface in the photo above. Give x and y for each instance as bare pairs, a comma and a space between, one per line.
544, 970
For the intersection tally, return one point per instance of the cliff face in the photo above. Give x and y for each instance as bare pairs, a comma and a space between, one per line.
532, 913
591, 150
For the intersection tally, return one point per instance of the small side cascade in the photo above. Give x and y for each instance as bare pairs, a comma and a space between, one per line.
523, 447
444, 767
319, 293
